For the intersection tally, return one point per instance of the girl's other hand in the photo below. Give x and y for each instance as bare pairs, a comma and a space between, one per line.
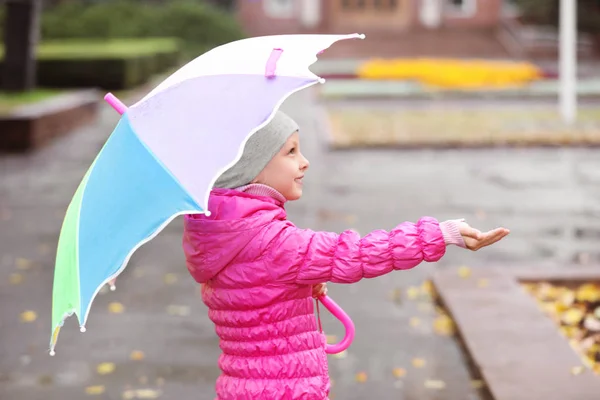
475, 239
319, 290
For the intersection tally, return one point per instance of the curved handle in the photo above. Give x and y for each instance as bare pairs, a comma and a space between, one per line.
345, 320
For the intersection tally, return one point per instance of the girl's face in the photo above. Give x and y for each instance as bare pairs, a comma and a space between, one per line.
285, 171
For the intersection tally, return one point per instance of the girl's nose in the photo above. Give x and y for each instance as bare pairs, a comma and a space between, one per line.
305, 164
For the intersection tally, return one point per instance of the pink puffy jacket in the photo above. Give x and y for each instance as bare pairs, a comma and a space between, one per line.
258, 270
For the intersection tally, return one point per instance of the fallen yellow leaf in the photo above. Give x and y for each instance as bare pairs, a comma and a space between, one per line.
116, 308
483, 283
418, 362
105, 368
28, 316
573, 316
23, 263
45, 380
181, 311
477, 384
399, 372
15, 279
170, 279
396, 296
443, 325
414, 322
588, 292
146, 394
137, 355
577, 370
435, 384
464, 272
94, 390
427, 288
412, 292
361, 377
331, 339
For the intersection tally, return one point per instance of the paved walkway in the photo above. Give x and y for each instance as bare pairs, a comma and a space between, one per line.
163, 344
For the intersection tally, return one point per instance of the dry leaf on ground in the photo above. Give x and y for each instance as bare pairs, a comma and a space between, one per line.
399, 372
136, 355
15, 279
412, 292
23, 263
575, 311
477, 384
95, 390
116, 308
105, 368
141, 394
443, 325
28, 316
181, 311
482, 283
464, 272
361, 377
418, 362
435, 384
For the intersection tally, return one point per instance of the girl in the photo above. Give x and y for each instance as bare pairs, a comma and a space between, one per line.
259, 272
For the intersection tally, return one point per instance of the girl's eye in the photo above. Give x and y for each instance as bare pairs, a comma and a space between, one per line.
292, 150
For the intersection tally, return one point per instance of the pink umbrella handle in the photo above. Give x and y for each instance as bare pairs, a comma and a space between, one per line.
345, 320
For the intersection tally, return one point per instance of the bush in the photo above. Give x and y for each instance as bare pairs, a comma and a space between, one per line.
2, 12
111, 65
199, 26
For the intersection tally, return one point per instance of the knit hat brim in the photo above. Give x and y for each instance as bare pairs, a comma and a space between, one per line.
259, 149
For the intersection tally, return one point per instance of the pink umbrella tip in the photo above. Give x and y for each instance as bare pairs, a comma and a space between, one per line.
115, 103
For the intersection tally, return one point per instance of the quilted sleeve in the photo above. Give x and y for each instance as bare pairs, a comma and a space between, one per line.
316, 257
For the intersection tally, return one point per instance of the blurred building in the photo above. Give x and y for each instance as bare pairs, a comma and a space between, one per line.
383, 16
442, 28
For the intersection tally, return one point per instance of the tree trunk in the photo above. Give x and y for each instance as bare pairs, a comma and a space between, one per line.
20, 41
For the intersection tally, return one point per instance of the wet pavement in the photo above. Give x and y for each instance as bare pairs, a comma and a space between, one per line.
151, 338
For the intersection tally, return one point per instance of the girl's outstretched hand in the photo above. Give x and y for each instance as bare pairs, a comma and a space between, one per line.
475, 239
319, 290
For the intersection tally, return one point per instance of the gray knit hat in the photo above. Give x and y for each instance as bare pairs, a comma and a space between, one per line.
260, 148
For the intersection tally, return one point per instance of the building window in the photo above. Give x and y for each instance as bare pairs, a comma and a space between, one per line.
362, 5
462, 8
279, 8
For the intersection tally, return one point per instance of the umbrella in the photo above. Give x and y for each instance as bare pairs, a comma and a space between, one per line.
164, 155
